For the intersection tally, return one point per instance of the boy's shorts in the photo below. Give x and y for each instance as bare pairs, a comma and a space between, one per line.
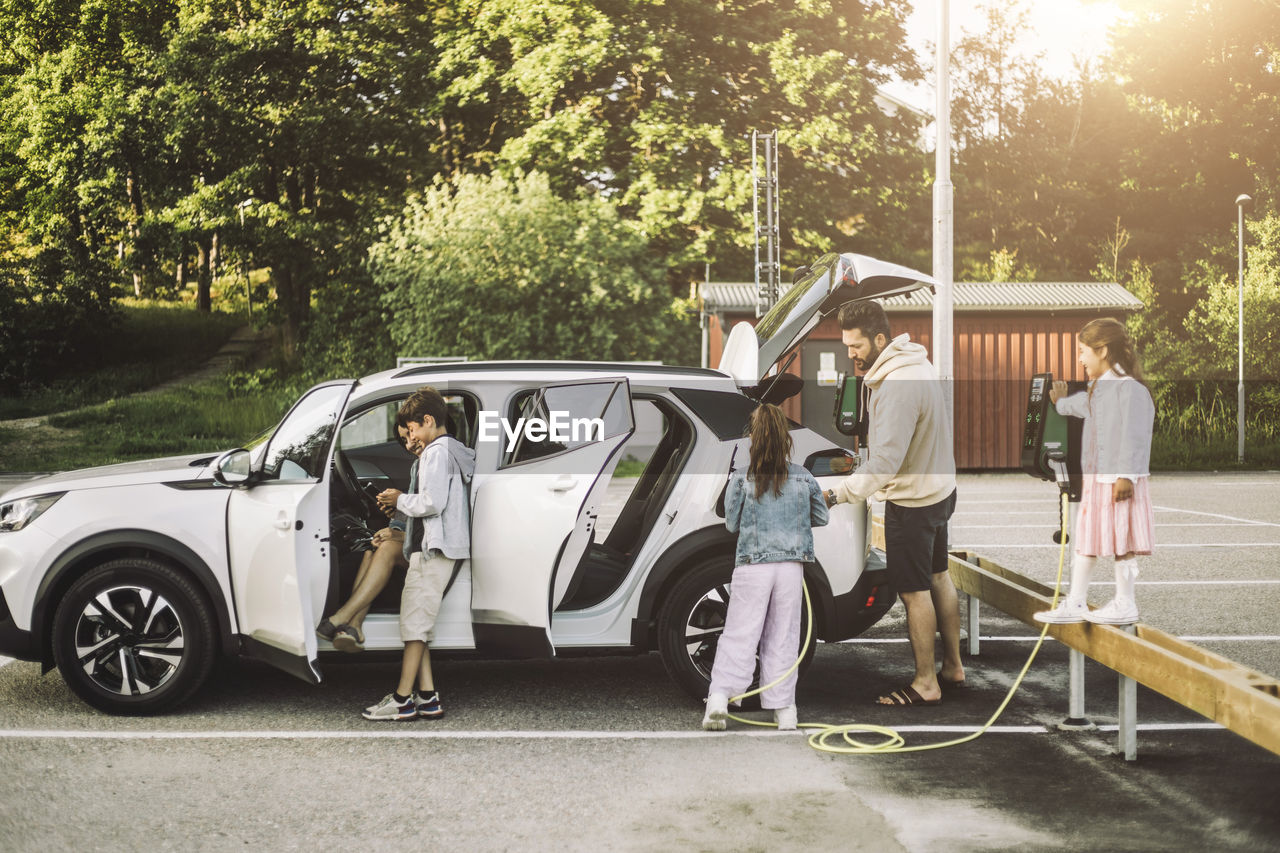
424, 585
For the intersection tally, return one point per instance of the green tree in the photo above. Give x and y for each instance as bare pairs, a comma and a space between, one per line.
1212, 322
498, 268
653, 104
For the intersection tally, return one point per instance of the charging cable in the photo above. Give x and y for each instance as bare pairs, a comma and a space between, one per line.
893, 742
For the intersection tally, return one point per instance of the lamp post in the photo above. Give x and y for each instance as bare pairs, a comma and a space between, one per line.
943, 214
244, 257
1242, 201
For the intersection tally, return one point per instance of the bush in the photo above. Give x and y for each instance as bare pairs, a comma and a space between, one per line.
494, 269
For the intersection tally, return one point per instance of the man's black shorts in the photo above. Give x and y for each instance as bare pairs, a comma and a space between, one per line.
915, 542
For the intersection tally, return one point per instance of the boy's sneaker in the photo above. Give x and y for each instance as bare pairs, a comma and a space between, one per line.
1119, 611
785, 718
390, 709
1066, 613
428, 704
717, 715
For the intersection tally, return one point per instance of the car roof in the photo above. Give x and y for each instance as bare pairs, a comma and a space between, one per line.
555, 371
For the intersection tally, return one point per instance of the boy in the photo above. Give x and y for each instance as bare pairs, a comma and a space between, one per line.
437, 535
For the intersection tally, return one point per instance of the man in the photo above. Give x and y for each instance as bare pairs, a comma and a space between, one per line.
912, 468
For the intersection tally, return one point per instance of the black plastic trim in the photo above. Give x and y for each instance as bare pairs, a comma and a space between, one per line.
851, 616
295, 665
690, 548
14, 642
64, 571
513, 642
714, 408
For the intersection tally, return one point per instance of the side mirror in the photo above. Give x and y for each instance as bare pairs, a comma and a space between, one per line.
233, 469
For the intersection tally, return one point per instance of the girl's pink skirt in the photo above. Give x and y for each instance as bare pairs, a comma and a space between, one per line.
1109, 529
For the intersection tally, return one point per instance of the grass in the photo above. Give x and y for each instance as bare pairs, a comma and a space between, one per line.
1178, 453
203, 418
156, 342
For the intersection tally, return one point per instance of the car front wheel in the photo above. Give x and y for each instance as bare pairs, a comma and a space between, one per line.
133, 636
692, 620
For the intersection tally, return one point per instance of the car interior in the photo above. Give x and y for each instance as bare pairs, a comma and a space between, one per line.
609, 557
371, 458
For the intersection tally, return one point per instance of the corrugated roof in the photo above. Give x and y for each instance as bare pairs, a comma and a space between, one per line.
967, 296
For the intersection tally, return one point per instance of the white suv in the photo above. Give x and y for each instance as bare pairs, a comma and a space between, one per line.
132, 578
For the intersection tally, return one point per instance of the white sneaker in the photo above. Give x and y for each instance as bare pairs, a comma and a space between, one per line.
717, 715
1068, 612
1119, 611
390, 709
785, 718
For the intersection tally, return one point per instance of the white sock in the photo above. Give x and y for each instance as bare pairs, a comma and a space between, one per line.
1126, 577
1081, 571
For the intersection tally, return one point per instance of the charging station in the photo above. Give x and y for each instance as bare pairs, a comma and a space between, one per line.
1051, 443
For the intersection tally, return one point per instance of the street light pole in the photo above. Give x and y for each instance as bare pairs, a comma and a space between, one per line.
943, 201
1242, 201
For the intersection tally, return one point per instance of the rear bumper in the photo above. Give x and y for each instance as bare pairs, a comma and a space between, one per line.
863, 606
14, 642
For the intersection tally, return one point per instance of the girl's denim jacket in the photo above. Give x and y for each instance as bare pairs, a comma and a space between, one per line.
775, 528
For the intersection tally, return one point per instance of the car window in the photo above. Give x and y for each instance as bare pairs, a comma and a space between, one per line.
568, 417
370, 427
377, 425
300, 447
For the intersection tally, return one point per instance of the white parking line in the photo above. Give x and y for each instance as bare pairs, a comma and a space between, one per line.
1170, 524
1031, 638
404, 733
1217, 515
5, 660
1159, 546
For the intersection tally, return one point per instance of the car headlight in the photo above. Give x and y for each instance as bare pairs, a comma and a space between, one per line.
15, 515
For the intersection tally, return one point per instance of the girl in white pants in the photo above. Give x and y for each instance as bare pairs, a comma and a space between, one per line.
773, 508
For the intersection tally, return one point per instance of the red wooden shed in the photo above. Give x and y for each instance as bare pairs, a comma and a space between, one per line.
1004, 332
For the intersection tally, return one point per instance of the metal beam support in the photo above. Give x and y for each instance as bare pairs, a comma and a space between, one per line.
1243, 700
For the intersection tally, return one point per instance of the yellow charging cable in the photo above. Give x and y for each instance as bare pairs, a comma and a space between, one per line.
894, 742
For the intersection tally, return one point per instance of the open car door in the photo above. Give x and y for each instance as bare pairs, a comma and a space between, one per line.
830, 282
278, 535
533, 518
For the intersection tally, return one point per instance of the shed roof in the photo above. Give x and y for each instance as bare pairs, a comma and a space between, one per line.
967, 297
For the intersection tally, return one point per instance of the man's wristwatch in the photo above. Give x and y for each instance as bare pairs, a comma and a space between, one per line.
831, 497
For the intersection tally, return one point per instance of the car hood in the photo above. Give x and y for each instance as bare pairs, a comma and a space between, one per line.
167, 470
830, 282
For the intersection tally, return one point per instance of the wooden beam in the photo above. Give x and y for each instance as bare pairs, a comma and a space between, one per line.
1238, 698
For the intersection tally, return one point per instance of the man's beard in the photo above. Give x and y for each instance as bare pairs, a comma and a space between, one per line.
870, 360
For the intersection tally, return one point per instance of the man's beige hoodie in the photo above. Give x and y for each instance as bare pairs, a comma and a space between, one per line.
912, 461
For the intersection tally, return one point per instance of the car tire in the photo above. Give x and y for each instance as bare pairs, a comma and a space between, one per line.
690, 623
134, 636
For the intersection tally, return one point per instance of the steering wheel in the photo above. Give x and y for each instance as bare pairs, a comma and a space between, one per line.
346, 477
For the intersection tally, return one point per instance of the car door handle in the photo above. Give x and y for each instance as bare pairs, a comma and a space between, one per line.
282, 521
563, 483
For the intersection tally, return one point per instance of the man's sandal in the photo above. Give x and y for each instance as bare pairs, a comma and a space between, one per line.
348, 638
907, 696
326, 630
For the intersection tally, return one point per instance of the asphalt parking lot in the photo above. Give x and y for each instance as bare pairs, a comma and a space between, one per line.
606, 753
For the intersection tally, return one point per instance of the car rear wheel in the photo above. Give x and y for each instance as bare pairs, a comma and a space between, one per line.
133, 636
691, 622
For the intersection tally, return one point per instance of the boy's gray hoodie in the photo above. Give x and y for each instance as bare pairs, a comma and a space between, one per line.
441, 501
